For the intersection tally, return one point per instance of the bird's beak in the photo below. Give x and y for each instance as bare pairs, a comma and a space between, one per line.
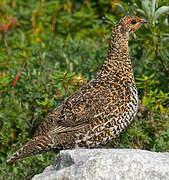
144, 21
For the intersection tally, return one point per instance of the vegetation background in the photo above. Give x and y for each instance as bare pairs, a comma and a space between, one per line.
48, 49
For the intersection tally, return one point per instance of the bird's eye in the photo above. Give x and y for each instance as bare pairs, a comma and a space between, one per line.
133, 21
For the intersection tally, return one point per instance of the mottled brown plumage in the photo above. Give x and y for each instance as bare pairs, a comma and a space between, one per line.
100, 110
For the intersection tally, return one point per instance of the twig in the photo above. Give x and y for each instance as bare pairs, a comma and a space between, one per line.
162, 62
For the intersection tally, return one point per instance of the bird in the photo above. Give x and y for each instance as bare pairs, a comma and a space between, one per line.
97, 112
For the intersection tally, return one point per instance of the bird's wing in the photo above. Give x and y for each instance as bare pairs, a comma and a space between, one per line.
78, 110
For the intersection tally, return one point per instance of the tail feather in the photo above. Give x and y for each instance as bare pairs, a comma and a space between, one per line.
35, 146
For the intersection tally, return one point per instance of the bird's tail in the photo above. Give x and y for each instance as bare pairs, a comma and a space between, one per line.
35, 146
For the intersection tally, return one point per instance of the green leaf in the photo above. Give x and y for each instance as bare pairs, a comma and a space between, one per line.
146, 7
110, 18
121, 8
145, 101
153, 6
160, 11
142, 12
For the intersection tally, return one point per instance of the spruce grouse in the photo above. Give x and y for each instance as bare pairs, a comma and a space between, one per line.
100, 110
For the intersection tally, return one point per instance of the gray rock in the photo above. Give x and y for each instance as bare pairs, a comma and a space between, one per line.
107, 164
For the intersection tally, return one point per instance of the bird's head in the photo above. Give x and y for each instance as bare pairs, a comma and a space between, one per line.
128, 25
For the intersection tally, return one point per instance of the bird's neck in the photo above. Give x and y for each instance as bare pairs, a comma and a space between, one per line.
118, 52
118, 59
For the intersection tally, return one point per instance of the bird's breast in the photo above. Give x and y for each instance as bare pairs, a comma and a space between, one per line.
116, 114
